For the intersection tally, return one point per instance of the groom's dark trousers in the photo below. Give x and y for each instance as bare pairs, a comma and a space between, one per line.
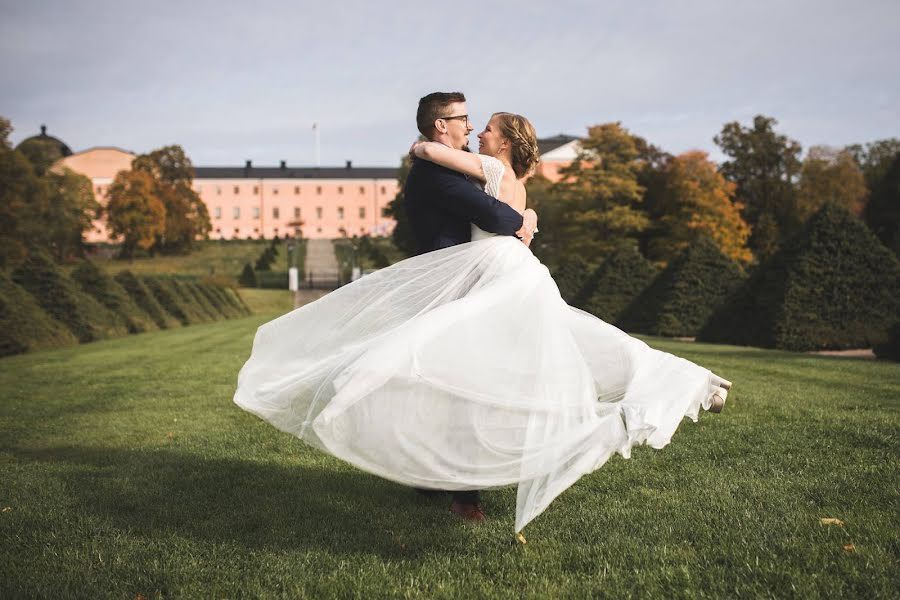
441, 206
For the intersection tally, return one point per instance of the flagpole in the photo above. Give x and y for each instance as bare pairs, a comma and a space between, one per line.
318, 154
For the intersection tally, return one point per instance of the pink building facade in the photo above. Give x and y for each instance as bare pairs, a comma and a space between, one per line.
264, 202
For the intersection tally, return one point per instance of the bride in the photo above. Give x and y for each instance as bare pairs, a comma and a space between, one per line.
423, 372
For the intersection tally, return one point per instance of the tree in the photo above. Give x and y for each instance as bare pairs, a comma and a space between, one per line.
22, 195
547, 243
134, 212
6, 128
186, 216
72, 208
764, 165
883, 210
402, 236
599, 195
875, 158
696, 201
828, 176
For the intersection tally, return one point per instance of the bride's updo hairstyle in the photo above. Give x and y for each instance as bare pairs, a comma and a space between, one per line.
523, 142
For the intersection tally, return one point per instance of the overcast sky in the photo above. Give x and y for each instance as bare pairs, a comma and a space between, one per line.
231, 81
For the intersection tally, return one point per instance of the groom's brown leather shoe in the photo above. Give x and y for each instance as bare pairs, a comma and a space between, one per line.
468, 512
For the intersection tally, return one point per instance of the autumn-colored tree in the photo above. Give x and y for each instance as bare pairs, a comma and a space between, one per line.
599, 195
134, 212
829, 176
187, 217
697, 201
764, 165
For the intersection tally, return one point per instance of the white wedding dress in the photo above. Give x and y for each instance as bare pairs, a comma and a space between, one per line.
464, 369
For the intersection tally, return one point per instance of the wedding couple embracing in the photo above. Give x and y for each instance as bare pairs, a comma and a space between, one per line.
462, 368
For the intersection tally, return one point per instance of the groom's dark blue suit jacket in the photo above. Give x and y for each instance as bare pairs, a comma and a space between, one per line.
442, 204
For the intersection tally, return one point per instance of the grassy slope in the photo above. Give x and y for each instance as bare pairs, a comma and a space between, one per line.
223, 258
126, 469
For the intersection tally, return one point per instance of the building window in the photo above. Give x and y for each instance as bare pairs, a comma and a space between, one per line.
340, 212
218, 190
296, 212
340, 189
218, 212
274, 191
237, 212
319, 190
275, 212
237, 189
296, 190
383, 190
255, 212
362, 190
362, 212
99, 190
255, 190
318, 212
236, 231
218, 230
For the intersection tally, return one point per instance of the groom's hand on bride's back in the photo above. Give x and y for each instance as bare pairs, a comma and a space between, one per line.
529, 225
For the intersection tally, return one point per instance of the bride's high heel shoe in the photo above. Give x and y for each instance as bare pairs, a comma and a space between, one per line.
717, 401
717, 381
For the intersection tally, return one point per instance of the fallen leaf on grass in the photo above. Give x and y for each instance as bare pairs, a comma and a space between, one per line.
830, 521
6, 509
849, 548
170, 436
521, 538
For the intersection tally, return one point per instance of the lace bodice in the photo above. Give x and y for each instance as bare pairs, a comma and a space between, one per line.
493, 175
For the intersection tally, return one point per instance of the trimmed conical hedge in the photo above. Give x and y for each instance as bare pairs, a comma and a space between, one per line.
24, 326
615, 283
171, 300
113, 296
684, 296
571, 277
833, 286
220, 303
145, 299
209, 311
62, 299
234, 297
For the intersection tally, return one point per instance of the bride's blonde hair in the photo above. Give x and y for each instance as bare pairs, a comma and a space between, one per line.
523, 139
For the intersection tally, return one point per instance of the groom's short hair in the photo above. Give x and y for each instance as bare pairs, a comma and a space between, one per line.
433, 107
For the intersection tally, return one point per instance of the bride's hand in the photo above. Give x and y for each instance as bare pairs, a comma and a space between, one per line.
529, 226
412, 150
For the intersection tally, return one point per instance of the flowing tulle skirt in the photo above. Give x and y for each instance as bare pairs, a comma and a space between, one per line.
464, 369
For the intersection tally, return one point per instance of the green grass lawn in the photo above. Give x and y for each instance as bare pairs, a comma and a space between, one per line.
211, 257
126, 470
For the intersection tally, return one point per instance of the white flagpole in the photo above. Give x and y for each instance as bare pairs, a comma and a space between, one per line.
318, 155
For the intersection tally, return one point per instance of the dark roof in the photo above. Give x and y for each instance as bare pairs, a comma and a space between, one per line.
43, 138
295, 173
545, 145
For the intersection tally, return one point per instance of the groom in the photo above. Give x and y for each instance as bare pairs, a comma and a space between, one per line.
442, 205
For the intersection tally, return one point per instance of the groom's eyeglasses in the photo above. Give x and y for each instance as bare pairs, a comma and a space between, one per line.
460, 117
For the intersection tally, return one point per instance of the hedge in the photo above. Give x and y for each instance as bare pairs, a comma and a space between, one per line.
63, 299
684, 296
833, 286
24, 325
113, 296
146, 300
618, 280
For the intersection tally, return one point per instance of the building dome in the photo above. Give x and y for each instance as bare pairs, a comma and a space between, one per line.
43, 150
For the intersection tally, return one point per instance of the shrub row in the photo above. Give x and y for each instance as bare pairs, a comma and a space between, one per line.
833, 286
41, 307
